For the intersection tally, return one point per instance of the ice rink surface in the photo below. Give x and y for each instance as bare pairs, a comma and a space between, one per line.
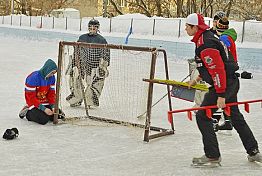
107, 150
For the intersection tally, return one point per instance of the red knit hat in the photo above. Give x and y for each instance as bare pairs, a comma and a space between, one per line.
197, 20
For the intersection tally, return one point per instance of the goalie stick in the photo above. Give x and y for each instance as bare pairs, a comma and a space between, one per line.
206, 165
141, 115
201, 87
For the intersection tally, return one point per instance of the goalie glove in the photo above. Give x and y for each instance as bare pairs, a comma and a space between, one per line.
75, 72
101, 70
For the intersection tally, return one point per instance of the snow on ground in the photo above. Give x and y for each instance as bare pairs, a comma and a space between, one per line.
105, 149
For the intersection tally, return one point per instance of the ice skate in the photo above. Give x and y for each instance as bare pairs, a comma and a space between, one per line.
76, 104
73, 101
61, 115
255, 158
204, 161
23, 112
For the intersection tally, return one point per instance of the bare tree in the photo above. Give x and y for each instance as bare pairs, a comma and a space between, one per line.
179, 4
115, 5
251, 9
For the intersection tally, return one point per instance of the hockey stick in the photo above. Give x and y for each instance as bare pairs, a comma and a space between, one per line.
81, 82
141, 115
201, 87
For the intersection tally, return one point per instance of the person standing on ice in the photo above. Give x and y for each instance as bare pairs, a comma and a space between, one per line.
93, 63
228, 37
40, 94
218, 70
218, 15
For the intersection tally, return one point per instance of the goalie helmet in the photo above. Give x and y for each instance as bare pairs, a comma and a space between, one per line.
94, 22
219, 15
93, 26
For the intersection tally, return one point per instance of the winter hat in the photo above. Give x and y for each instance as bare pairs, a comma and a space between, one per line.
11, 134
222, 24
219, 15
197, 20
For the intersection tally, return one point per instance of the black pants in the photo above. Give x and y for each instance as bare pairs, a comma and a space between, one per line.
205, 125
39, 116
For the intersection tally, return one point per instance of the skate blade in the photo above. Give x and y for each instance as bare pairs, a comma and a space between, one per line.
205, 165
254, 161
225, 132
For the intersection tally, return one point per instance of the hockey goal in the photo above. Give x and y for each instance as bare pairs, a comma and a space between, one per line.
113, 91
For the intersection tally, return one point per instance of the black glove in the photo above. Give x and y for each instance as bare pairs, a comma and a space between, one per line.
246, 75
11, 134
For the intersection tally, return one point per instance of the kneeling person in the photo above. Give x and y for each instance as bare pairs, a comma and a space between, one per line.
40, 94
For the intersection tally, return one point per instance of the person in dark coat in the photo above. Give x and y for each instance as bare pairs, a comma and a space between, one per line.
90, 65
218, 15
218, 70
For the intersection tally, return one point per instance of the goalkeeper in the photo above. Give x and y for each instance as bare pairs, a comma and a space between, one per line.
89, 68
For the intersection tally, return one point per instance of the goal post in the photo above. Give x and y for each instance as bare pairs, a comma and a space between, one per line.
104, 82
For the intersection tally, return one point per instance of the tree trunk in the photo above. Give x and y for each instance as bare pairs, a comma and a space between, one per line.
116, 8
158, 7
179, 8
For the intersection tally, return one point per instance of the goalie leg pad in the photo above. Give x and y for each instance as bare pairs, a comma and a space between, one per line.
93, 92
75, 86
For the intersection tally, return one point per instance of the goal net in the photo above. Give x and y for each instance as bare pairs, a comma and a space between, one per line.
105, 83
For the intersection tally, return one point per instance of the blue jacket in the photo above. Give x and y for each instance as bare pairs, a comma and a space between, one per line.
40, 89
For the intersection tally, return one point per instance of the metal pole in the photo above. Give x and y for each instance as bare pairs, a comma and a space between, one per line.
41, 23
66, 23
53, 26
30, 22
110, 25
80, 24
150, 98
243, 31
179, 28
20, 20
154, 25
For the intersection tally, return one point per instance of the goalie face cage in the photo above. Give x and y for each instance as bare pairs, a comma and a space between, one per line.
120, 97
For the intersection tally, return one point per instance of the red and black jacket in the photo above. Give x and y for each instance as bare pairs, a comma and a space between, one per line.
213, 63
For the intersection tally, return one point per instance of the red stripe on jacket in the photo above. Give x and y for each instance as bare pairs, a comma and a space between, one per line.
41, 95
215, 67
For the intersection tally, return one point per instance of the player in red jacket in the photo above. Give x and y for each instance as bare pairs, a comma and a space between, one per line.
40, 94
218, 70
